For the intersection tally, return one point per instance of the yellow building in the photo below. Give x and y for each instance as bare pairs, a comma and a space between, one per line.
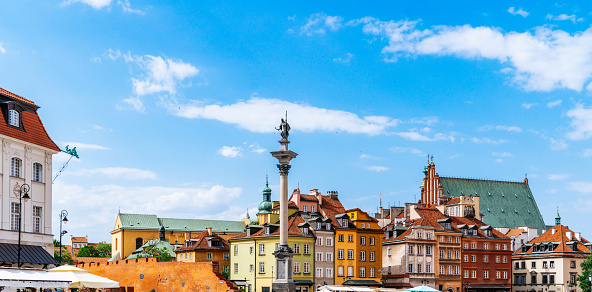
131, 231
252, 261
358, 248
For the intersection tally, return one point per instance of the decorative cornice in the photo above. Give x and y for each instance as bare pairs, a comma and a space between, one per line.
284, 168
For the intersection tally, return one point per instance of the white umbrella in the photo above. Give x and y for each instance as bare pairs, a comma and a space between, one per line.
81, 278
422, 288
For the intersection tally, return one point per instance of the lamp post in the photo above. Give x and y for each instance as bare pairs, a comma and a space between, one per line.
64, 219
23, 189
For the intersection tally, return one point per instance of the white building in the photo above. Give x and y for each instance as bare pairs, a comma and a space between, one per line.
26, 157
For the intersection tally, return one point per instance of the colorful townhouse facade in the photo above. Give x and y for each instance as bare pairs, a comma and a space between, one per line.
324, 233
550, 262
207, 246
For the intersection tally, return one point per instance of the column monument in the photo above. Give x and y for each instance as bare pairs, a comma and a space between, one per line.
283, 281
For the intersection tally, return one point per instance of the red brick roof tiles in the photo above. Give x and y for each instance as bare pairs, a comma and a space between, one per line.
202, 242
311, 198
558, 233
293, 229
16, 96
453, 201
34, 131
79, 239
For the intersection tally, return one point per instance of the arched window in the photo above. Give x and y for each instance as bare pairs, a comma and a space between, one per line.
13, 118
139, 242
15, 167
37, 172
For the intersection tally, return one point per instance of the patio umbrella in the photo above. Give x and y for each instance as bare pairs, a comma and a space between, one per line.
81, 278
422, 288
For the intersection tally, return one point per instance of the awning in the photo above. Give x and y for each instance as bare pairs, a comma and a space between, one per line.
304, 282
31, 278
30, 254
241, 283
362, 283
80, 278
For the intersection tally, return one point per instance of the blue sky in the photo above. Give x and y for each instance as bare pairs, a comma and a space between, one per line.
172, 105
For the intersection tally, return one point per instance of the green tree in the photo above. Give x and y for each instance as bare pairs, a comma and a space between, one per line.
87, 251
56, 243
583, 277
254, 222
225, 274
161, 253
66, 257
104, 250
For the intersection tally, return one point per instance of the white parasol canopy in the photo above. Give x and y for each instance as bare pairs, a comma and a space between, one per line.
81, 278
30, 278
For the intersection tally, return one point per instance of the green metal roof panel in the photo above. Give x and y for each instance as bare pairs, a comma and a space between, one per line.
219, 226
139, 221
503, 203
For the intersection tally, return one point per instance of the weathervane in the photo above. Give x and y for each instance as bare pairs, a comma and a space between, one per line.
72, 152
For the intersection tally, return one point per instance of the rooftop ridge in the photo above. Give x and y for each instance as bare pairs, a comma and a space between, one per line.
482, 179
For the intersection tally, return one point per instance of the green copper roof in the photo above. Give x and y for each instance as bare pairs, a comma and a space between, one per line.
170, 248
151, 222
504, 204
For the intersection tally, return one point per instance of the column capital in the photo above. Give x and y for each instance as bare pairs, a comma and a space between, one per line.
284, 168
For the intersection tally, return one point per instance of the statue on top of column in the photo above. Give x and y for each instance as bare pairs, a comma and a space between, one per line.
284, 128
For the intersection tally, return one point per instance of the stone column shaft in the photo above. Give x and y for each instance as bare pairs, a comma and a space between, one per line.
284, 208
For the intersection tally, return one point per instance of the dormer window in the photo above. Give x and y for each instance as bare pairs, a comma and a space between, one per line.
318, 225
14, 118
328, 226
267, 230
305, 231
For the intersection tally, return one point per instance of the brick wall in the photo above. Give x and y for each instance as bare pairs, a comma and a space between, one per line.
145, 274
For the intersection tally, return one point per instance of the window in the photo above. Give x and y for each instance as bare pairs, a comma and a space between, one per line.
504, 247
209, 256
410, 268
372, 272
466, 258
236, 268
226, 269
37, 172
552, 264
442, 270
319, 257
329, 241
312, 208
473, 274
517, 265
329, 257
486, 246
533, 279
296, 247
466, 274
523, 265
306, 267
429, 250
350, 254
329, 273
319, 273
504, 259
340, 271
353, 216
442, 253
420, 249
466, 245
226, 256
449, 270
419, 268
429, 235
474, 245
15, 167
14, 216
456, 270
261, 267
551, 279
13, 118
497, 247
318, 225
411, 249
456, 255
362, 272
419, 234
37, 219
350, 271
497, 259
572, 264
505, 275
362, 240
497, 274
340, 237
363, 256
261, 248
350, 238
296, 267
486, 274
474, 258
328, 226
428, 268
304, 208
456, 239
340, 254
319, 241
533, 265
372, 257
441, 238
449, 254
306, 248
250, 250
449, 239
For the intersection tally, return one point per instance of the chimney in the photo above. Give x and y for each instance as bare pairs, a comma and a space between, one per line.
526, 180
569, 235
209, 229
333, 195
187, 236
579, 236
296, 197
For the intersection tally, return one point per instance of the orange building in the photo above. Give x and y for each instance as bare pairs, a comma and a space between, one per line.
207, 246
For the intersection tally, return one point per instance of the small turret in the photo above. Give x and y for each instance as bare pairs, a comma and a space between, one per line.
557, 218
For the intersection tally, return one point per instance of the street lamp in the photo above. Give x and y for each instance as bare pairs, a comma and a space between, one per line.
64, 219
23, 189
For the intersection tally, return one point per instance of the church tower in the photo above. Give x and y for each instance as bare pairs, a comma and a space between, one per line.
266, 205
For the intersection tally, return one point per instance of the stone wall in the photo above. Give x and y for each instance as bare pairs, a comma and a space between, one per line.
145, 274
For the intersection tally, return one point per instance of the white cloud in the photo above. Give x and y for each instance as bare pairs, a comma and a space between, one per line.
587, 152
501, 128
571, 18
83, 146
542, 60
502, 154
231, 152
377, 168
581, 123
415, 136
256, 148
112, 54
499, 160
554, 103
425, 120
318, 24
262, 115
2, 49
528, 105
132, 102
345, 59
582, 187
127, 7
518, 12
558, 144
487, 141
96, 4
118, 172
414, 151
100, 204
557, 176
160, 74
453, 156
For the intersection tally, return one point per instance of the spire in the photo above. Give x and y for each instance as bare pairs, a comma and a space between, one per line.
380, 200
558, 218
248, 217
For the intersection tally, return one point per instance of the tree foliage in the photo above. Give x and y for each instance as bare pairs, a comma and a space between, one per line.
66, 257
161, 253
583, 277
103, 250
225, 274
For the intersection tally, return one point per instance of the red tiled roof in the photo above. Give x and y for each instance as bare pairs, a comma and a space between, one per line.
401, 215
202, 243
453, 201
308, 198
34, 131
558, 233
515, 232
16, 96
79, 239
290, 205
331, 207
293, 229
